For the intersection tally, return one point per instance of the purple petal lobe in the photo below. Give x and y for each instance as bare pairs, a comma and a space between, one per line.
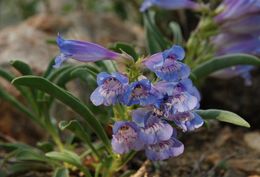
140, 92
187, 121
164, 149
126, 137
110, 90
153, 128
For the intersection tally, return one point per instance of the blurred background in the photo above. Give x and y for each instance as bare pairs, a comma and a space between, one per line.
28, 29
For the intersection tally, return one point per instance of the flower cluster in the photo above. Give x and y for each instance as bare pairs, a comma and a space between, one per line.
171, 100
239, 24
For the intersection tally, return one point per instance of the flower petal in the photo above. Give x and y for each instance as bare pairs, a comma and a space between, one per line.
96, 98
164, 149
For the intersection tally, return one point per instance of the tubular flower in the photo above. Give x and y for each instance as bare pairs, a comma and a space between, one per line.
166, 65
187, 121
126, 137
234, 9
140, 92
169, 4
165, 149
153, 128
238, 22
110, 89
82, 51
178, 97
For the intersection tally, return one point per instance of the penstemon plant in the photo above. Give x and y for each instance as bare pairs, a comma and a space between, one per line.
137, 103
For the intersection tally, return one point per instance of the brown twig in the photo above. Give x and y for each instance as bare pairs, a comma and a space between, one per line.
142, 171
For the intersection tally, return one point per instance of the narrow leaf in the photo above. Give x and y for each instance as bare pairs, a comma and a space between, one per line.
22, 67
61, 172
222, 62
153, 35
224, 116
119, 47
7, 97
68, 99
28, 154
177, 34
65, 156
79, 131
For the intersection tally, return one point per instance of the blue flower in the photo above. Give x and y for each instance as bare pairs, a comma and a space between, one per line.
178, 97
153, 128
165, 149
140, 92
166, 65
238, 22
110, 89
169, 4
126, 137
82, 51
178, 103
185, 85
234, 9
187, 121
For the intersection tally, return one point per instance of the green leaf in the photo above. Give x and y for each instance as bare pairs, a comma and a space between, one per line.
7, 97
83, 72
68, 99
65, 156
6, 75
20, 167
58, 72
29, 154
177, 34
119, 47
49, 69
222, 62
14, 146
79, 131
69, 157
156, 41
22, 67
224, 116
61, 172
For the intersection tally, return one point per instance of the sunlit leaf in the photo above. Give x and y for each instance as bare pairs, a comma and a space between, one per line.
224, 116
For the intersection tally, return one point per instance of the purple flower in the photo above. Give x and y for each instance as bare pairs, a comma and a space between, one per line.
82, 51
126, 137
110, 89
178, 97
234, 9
165, 149
153, 128
184, 85
166, 65
247, 24
169, 4
178, 103
187, 121
238, 23
140, 92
